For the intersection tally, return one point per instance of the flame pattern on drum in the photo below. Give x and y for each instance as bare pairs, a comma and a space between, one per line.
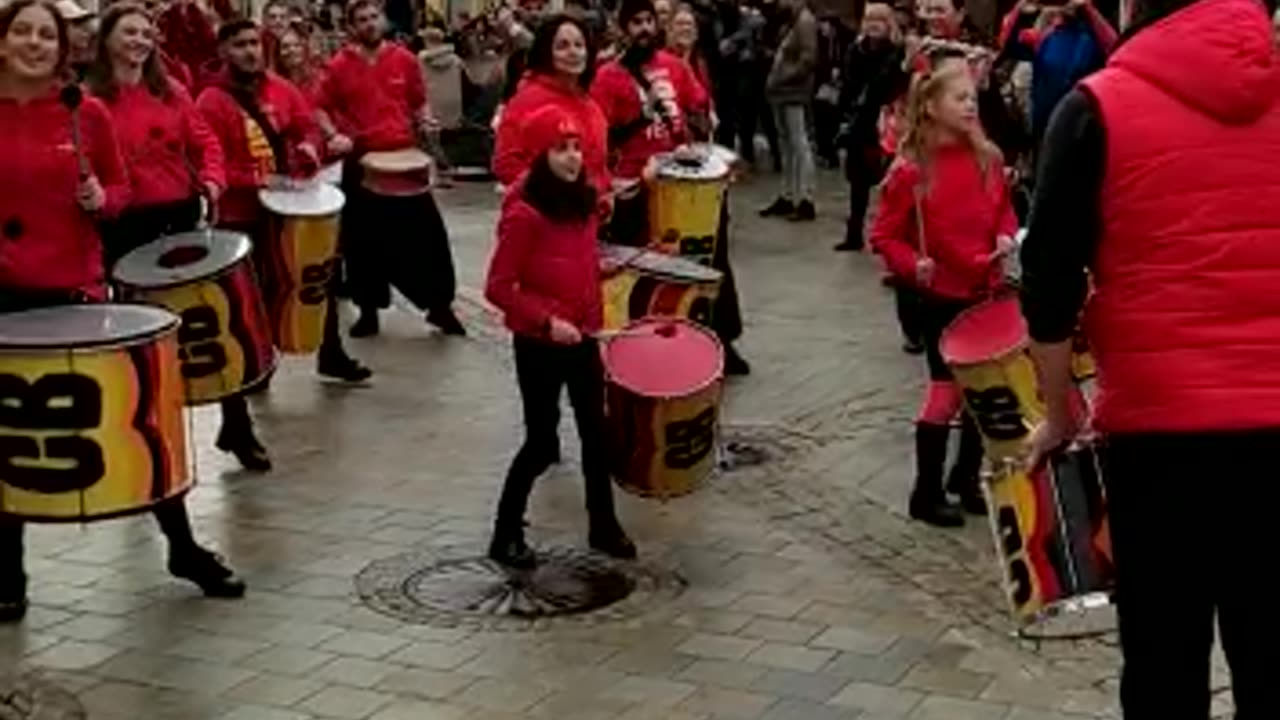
301, 262
91, 434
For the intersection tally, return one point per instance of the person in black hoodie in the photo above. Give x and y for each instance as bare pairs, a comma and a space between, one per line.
873, 76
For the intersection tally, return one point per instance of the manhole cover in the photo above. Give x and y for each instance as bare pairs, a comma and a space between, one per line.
31, 697
569, 585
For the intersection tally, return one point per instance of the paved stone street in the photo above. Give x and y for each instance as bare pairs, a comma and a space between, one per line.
806, 594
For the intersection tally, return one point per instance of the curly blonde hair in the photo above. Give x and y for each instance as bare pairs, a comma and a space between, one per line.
921, 134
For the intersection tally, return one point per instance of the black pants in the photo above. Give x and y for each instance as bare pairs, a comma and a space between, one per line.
630, 226
171, 514
1191, 526
542, 370
934, 315
394, 241
738, 128
907, 304
864, 169
826, 125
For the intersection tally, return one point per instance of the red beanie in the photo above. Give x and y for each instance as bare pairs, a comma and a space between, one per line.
546, 127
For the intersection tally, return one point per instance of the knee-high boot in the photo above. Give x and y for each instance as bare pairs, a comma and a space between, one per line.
928, 498
965, 479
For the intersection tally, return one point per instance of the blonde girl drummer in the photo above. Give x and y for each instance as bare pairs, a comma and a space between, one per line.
943, 224
55, 183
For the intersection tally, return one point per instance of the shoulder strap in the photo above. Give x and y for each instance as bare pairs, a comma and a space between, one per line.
279, 150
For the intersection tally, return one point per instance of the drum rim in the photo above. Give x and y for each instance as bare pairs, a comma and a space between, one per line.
266, 194
170, 327
215, 275
716, 379
95, 517
1019, 347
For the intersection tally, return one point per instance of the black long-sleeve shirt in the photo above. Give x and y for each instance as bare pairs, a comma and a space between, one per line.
1065, 219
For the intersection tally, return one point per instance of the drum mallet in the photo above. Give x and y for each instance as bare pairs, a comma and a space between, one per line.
666, 330
71, 96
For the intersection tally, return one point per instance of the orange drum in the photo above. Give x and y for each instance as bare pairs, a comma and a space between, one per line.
207, 279
664, 378
91, 420
299, 262
399, 173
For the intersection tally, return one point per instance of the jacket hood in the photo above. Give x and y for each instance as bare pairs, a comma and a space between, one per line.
440, 56
1214, 55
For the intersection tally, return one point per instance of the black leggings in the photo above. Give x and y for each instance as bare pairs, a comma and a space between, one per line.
542, 369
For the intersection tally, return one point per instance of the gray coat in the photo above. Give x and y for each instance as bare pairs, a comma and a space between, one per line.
791, 80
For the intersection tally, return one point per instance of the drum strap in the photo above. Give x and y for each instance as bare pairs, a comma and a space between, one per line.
249, 103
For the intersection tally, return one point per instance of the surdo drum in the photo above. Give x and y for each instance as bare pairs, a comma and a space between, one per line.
685, 202
206, 278
663, 380
91, 405
399, 173
639, 283
299, 262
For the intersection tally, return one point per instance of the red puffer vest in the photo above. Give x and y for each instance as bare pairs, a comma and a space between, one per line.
1185, 322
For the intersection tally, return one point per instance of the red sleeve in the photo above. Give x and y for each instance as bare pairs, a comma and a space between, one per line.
103, 152
415, 86
1102, 30
300, 126
602, 93
892, 235
203, 149
517, 235
326, 95
693, 97
511, 158
223, 118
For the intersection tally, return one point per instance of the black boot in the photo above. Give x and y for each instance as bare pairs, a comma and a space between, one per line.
734, 364
781, 207
928, 500
508, 548
607, 536
13, 578
338, 365
449, 324
237, 437
206, 570
965, 479
366, 325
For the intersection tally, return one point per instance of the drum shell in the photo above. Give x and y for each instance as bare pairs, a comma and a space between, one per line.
631, 294
1051, 532
684, 216
1003, 398
662, 447
396, 184
131, 397
299, 262
224, 343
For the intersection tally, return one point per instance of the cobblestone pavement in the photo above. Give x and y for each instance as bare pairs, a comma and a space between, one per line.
806, 595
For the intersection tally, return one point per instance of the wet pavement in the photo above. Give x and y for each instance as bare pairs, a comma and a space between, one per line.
791, 589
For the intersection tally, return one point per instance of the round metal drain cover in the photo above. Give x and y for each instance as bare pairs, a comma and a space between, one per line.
569, 585
31, 697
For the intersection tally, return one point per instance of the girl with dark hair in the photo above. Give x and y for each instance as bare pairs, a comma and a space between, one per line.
545, 278
560, 70
50, 252
294, 61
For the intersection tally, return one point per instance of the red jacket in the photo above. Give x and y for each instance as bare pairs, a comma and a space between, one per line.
964, 212
163, 143
543, 269
188, 45
375, 103
47, 242
1185, 319
671, 80
511, 157
249, 158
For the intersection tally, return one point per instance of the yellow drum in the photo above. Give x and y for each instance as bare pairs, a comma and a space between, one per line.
685, 202
399, 173
986, 349
91, 420
639, 283
662, 397
207, 279
299, 263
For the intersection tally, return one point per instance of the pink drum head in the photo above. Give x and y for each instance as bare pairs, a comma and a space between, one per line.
986, 332
663, 357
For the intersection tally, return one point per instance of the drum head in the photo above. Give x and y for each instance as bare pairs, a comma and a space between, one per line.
397, 161
318, 200
985, 332
674, 267
74, 327
179, 259
331, 173
664, 358
692, 162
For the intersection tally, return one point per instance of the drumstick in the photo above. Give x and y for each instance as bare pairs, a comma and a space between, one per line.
666, 330
71, 96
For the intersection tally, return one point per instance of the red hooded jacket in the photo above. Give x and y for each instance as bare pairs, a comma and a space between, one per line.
543, 269
513, 156
375, 103
672, 81
249, 157
169, 149
1185, 319
964, 211
47, 242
